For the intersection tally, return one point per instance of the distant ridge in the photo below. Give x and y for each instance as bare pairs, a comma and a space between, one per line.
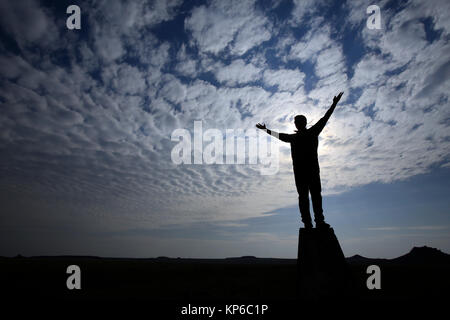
417, 255
360, 259
254, 260
243, 257
423, 255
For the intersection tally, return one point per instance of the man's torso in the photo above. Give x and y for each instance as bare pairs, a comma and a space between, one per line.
304, 146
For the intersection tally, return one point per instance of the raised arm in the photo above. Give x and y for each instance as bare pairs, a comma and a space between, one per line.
318, 127
282, 136
333, 105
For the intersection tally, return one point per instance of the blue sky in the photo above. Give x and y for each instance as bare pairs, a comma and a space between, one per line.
87, 118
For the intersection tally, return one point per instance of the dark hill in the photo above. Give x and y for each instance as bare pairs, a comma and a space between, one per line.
363, 260
423, 255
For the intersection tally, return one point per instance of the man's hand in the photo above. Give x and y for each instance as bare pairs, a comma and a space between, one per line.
337, 98
261, 126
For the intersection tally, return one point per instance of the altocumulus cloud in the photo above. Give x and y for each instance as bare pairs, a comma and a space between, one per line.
87, 115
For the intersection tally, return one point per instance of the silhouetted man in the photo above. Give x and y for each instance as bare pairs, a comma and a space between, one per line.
304, 145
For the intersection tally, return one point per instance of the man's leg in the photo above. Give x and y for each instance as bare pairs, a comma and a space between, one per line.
315, 188
303, 199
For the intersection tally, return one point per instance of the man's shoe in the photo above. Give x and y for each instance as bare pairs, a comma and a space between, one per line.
322, 225
308, 225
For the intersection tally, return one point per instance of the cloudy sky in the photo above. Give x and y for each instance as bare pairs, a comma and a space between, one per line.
87, 117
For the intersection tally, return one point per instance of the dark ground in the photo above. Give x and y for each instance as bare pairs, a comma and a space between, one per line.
168, 284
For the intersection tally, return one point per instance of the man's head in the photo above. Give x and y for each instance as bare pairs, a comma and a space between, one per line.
300, 122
